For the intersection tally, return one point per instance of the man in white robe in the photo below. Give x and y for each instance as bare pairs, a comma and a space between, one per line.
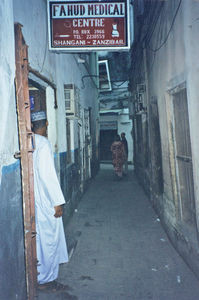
50, 239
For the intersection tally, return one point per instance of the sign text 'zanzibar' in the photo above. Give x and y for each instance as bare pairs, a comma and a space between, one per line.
88, 25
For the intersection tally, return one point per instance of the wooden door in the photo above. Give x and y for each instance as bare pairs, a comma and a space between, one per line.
184, 158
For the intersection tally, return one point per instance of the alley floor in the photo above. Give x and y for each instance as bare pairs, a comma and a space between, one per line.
119, 248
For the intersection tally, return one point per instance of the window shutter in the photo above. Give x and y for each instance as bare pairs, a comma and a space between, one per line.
104, 76
69, 99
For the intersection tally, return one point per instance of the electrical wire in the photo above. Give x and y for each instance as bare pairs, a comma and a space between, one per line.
98, 76
153, 19
137, 63
168, 34
150, 68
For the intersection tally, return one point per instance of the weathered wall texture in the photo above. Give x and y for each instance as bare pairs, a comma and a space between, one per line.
166, 55
12, 274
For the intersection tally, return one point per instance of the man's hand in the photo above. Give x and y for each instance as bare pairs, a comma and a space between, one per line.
58, 211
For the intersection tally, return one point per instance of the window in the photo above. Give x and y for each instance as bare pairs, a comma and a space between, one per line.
104, 77
71, 96
72, 108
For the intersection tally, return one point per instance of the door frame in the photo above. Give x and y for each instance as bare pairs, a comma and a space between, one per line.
26, 146
174, 159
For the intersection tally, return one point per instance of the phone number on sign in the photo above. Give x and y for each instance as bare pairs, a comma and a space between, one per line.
95, 36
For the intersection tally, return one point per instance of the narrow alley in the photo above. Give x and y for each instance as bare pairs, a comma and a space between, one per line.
119, 249
78, 78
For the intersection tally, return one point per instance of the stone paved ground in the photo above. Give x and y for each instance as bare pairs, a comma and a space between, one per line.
121, 251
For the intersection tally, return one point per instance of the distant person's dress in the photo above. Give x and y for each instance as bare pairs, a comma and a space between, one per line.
118, 157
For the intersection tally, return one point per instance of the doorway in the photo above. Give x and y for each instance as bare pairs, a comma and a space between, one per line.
37, 96
106, 139
183, 156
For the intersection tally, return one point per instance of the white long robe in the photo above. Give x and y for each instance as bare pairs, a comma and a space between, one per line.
50, 239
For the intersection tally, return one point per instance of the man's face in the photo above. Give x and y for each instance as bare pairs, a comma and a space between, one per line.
46, 129
43, 130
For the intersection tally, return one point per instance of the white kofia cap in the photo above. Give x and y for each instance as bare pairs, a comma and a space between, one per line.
38, 115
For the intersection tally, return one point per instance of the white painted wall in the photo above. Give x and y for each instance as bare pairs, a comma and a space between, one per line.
8, 120
166, 71
191, 29
59, 68
52, 120
177, 62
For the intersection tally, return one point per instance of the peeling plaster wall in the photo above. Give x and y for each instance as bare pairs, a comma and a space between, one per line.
169, 65
173, 64
12, 274
191, 29
12, 270
8, 119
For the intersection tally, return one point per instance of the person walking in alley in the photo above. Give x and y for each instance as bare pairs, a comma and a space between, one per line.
125, 143
50, 239
118, 156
